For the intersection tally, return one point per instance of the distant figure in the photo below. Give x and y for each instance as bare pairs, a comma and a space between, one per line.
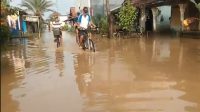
148, 25
56, 27
56, 24
76, 28
49, 27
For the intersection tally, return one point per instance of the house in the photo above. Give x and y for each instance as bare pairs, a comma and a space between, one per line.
98, 6
82, 3
167, 15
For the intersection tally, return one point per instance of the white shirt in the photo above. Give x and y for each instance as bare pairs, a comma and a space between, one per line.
56, 25
84, 22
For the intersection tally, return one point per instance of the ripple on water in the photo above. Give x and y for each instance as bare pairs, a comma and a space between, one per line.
126, 75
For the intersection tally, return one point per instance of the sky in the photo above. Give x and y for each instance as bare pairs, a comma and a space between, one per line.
61, 6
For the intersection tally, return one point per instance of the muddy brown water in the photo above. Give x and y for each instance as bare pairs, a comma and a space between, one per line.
157, 74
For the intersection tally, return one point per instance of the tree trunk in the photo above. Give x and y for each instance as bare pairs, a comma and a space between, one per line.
199, 22
109, 19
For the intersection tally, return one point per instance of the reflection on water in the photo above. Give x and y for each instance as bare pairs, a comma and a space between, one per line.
83, 64
158, 74
161, 49
141, 75
60, 60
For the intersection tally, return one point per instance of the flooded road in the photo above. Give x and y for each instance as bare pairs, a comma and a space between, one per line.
160, 74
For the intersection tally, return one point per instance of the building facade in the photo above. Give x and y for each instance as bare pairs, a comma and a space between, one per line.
167, 15
82, 3
98, 6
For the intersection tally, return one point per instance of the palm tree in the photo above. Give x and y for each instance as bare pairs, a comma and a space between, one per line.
37, 7
4, 11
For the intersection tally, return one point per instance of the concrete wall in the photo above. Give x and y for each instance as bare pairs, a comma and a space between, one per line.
98, 5
190, 11
163, 20
82, 3
175, 18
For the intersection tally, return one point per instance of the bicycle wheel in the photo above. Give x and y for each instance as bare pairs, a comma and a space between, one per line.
91, 46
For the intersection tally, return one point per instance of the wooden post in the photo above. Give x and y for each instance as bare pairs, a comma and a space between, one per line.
155, 12
39, 26
182, 12
109, 19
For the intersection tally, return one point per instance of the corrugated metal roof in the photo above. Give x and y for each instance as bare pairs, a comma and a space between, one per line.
115, 3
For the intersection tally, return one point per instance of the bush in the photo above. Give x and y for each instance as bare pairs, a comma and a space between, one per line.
96, 19
5, 33
71, 28
103, 24
65, 27
127, 16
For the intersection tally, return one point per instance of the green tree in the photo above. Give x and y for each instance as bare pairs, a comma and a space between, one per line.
127, 15
197, 5
37, 7
103, 24
6, 10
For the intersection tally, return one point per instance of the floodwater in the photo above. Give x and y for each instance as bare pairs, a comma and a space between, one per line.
156, 74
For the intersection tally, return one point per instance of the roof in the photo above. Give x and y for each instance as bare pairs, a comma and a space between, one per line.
115, 3
116, 8
156, 2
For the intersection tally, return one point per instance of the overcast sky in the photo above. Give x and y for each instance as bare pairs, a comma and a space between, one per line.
62, 6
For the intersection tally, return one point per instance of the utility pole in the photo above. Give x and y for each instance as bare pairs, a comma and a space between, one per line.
109, 19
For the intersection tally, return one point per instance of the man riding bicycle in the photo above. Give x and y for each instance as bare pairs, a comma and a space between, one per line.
84, 21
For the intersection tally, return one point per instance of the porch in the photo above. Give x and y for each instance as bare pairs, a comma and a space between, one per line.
167, 15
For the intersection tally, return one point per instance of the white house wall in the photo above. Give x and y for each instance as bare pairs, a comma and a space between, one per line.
163, 20
82, 3
98, 5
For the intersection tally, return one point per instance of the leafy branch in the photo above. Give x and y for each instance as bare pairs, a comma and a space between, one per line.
127, 16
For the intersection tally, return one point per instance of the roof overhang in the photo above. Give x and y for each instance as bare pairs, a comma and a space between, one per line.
115, 9
153, 3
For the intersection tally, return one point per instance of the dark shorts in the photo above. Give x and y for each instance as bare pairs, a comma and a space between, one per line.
57, 36
82, 32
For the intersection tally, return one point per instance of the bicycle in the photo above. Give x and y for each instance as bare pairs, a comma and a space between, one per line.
58, 40
57, 35
87, 40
